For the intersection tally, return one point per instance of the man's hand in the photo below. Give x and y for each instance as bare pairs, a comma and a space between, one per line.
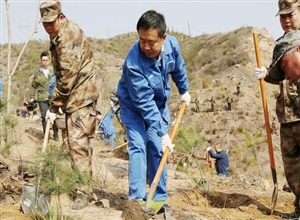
166, 142
51, 116
208, 149
185, 98
260, 73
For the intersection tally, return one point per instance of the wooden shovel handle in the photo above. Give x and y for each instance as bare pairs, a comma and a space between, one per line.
46, 136
267, 122
165, 156
265, 106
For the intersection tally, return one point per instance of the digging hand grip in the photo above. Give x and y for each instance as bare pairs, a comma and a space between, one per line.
166, 142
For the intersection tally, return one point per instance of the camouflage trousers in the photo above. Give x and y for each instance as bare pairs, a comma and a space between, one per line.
80, 129
290, 150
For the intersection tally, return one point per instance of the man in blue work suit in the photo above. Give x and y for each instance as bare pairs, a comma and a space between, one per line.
144, 92
106, 127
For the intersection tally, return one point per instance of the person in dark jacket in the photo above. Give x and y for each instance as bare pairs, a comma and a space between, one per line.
222, 161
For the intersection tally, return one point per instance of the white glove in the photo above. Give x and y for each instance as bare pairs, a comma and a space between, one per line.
166, 142
185, 98
208, 149
111, 104
51, 116
60, 111
260, 73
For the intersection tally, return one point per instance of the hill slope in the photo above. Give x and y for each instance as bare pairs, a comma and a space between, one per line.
216, 64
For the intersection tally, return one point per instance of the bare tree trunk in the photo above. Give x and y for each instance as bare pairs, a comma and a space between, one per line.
8, 54
10, 74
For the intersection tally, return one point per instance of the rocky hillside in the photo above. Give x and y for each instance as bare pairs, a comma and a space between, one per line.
216, 64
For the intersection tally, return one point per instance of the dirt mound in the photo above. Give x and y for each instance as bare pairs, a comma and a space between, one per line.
133, 210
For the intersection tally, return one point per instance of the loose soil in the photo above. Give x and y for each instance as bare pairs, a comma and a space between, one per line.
192, 194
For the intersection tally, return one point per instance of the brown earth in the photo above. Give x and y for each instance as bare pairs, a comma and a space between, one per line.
240, 196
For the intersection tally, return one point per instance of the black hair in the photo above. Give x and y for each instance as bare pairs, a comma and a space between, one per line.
44, 53
152, 19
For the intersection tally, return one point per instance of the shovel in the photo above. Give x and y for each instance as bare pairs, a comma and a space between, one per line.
157, 205
265, 106
31, 200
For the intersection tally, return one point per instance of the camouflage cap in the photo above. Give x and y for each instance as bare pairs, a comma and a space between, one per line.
285, 44
287, 6
50, 10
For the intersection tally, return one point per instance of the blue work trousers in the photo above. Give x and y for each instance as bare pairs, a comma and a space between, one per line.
144, 144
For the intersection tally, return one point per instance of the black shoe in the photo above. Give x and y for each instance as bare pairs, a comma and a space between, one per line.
290, 215
286, 188
56, 138
167, 212
165, 209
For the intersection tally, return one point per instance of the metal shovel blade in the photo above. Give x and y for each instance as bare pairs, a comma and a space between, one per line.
153, 206
274, 198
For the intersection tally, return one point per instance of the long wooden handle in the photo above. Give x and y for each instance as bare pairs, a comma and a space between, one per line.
265, 106
267, 122
44, 148
120, 146
165, 156
46, 136
208, 161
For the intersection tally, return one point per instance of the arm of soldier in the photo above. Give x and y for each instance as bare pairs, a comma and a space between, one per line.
70, 62
264, 73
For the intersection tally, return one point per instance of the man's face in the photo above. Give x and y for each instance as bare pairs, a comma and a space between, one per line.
290, 21
290, 64
150, 43
52, 28
45, 62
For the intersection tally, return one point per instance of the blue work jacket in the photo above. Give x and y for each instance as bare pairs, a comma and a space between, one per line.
107, 127
52, 84
144, 87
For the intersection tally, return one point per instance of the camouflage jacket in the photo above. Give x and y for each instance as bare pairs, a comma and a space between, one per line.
286, 107
73, 65
40, 84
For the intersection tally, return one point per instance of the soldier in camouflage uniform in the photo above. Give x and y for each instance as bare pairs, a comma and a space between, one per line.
286, 108
75, 92
40, 84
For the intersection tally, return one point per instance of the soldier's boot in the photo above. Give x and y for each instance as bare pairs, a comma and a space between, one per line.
290, 215
296, 213
286, 188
